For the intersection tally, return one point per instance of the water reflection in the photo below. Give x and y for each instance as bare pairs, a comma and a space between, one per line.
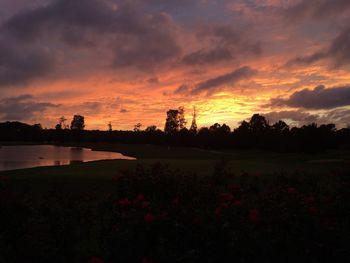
26, 156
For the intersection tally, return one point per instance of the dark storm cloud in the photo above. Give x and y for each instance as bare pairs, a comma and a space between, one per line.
318, 98
340, 48
339, 116
338, 51
20, 64
22, 107
214, 84
297, 116
182, 89
140, 40
151, 47
61, 15
227, 44
226, 79
208, 56
316, 9
307, 60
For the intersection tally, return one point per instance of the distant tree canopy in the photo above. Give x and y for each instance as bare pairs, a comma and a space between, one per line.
151, 128
255, 133
78, 123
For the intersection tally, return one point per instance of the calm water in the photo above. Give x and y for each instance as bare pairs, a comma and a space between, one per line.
26, 156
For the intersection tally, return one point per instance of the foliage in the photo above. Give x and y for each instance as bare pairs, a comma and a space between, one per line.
256, 133
78, 123
158, 215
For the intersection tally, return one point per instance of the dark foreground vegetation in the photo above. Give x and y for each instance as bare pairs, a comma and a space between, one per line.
155, 215
255, 134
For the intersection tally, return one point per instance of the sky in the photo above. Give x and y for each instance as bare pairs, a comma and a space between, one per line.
129, 61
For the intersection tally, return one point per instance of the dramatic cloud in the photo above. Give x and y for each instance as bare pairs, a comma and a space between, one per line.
295, 116
22, 107
209, 86
208, 56
338, 51
20, 64
139, 40
317, 9
231, 78
225, 44
82, 54
318, 98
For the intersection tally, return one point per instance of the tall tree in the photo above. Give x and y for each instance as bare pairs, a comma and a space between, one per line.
194, 121
137, 127
181, 118
258, 123
78, 123
172, 122
61, 123
110, 128
175, 120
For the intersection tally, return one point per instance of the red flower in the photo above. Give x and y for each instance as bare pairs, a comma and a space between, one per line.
148, 217
124, 202
233, 187
309, 200
237, 203
253, 215
197, 220
218, 212
145, 204
95, 260
164, 216
145, 260
140, 198
291, 190
175, 201
313, 210
227, 197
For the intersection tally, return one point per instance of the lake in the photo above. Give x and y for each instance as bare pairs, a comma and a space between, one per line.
27, 156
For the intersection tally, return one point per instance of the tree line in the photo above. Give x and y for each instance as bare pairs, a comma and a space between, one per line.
256, 133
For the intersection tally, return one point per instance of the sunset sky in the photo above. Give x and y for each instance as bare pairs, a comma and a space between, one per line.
130, 61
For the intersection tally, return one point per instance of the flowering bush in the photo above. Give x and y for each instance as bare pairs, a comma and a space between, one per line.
156, 215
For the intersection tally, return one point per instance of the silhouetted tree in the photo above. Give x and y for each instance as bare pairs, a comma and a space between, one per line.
137, 127
151, 128
258, 123
61, 123
181, 118
37, 126
280, 127
193, 128
172, 122
110, 128
244, 128
78, 123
